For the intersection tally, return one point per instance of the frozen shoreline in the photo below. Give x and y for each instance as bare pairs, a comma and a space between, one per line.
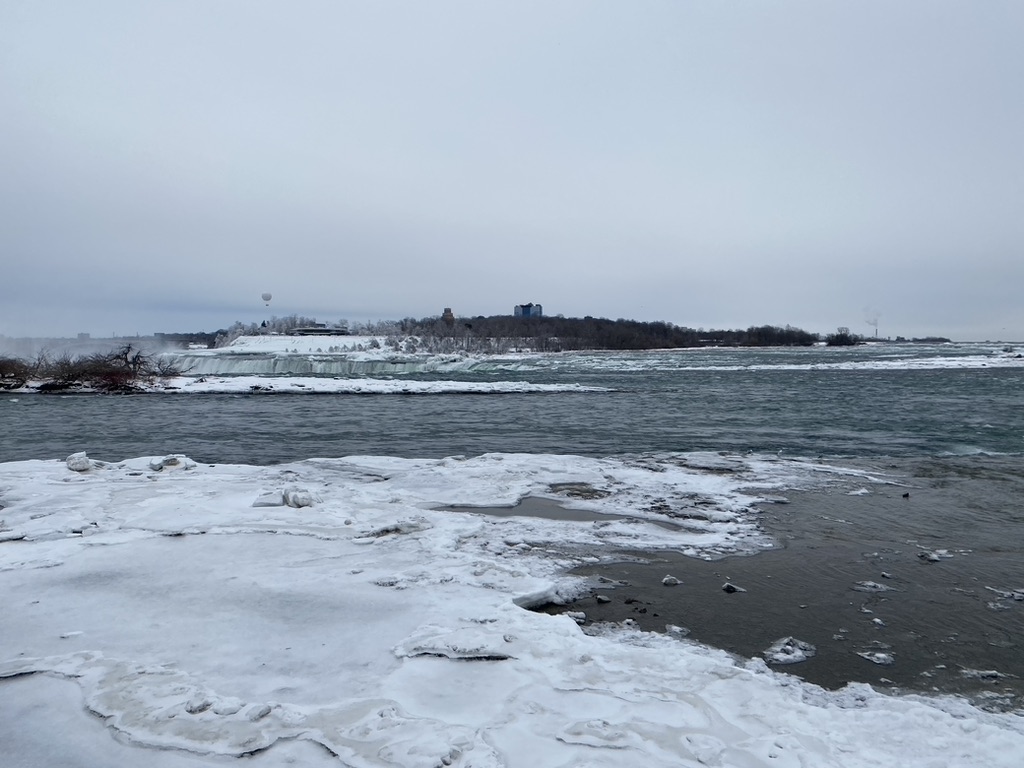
228, 609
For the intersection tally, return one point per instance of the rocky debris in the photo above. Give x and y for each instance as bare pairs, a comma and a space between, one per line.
732, 588
671, 581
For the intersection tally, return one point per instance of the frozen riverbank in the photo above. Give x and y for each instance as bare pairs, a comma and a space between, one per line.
226, 610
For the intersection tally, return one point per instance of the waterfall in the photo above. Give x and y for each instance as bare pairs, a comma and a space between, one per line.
264, 364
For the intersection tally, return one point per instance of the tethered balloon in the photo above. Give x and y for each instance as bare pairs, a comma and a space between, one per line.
267, 297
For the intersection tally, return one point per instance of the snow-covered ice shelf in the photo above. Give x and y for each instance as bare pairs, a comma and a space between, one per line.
330, 612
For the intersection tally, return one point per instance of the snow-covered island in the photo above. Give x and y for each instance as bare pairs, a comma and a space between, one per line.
310, 364
275, 364
334, 612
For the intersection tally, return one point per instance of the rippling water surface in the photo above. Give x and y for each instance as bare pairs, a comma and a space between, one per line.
879, 401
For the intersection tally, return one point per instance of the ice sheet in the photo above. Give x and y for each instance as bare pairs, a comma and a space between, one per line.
377, 628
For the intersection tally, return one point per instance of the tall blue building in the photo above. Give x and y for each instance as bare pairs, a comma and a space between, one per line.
528, 310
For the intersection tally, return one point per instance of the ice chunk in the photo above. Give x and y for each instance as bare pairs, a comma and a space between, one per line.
870, 586
198, 703
878, 657
299, 497
78, 462
470, 643
981, 674
789, 650
172, 461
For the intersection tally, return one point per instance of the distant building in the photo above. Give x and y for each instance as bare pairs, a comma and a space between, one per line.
447, 316
528, 310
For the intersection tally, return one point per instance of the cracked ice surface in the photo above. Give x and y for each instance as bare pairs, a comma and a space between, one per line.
155, 608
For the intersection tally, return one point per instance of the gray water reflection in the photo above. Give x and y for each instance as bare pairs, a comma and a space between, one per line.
536, 506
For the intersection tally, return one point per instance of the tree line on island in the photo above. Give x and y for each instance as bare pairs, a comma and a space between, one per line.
501, 333
552, 334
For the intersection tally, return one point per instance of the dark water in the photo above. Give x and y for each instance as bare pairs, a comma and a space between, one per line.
795, 413
953, 435
949, 623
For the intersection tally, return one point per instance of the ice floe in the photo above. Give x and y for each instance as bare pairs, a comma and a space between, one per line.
878, 657
789, 650
870, 586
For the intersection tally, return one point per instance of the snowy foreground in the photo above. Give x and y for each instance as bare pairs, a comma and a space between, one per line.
330, 612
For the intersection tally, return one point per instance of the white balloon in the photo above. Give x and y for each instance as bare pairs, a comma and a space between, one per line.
267, 297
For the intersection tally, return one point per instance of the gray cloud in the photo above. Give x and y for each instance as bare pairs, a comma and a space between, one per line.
710, 164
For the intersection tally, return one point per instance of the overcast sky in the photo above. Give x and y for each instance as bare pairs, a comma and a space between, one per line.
712, 164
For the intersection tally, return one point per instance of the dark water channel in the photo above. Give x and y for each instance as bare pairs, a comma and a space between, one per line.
793, 413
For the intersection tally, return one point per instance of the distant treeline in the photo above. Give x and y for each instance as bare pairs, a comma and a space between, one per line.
566, 333
500, 333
